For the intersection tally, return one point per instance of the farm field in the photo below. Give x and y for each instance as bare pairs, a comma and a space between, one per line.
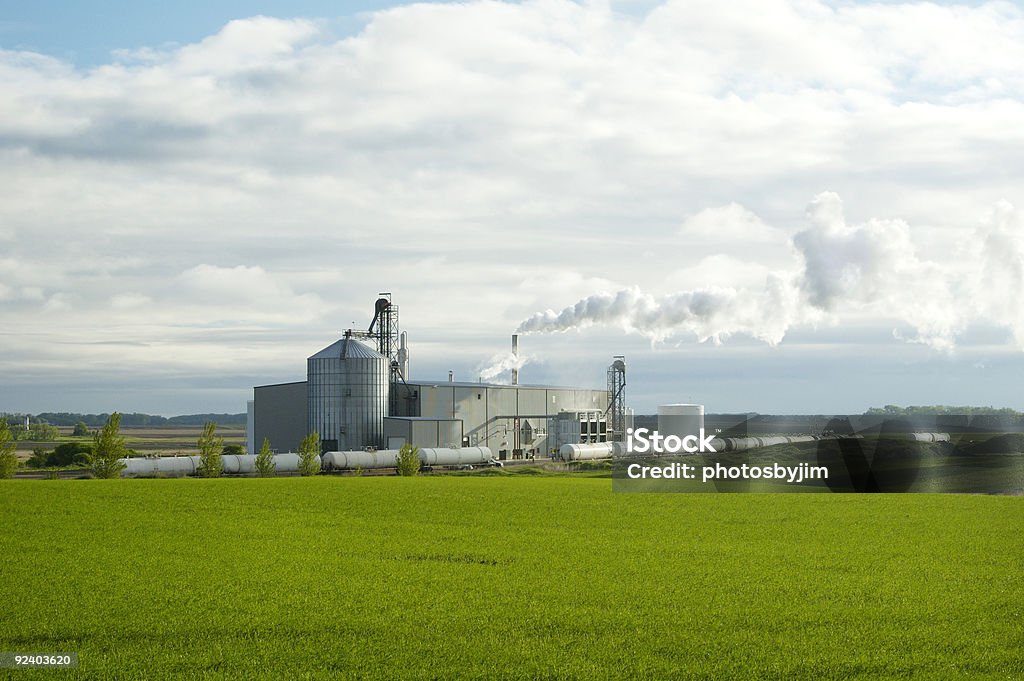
146, 440
506, 576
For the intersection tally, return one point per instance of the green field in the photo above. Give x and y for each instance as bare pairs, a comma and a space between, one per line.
545, 577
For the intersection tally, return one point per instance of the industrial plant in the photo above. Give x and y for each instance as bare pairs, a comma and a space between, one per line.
361, 398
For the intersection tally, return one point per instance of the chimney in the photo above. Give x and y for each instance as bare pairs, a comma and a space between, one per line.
403, 355
515, 357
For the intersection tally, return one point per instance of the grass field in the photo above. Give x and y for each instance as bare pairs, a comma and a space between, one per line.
555, 577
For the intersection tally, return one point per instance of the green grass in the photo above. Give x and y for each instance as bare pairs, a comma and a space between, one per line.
526, 577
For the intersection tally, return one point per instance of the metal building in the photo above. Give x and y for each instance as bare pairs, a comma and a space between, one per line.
512, 420
279, 415
358, 395
422, 431
582, 427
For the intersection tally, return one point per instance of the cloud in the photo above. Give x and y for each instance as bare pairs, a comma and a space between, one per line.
58, 302
1000, 278
844, 269
244, 292
273, 175
730, 224
129, 301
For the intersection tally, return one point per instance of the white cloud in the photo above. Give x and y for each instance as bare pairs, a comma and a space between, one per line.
58, 302
843, 270
129, 301
731, 224
243, 293
273, 175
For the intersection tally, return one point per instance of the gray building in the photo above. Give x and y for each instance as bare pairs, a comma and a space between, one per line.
280, 415
423, 431
352, 399
513, 420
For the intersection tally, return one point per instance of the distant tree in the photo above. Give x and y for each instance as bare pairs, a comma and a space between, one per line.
81, 429
210, 449
8, 457
265, 466
40, 457
234, 449
108, 448
408, 460
71, 453
43, 432
19, 431
309, 448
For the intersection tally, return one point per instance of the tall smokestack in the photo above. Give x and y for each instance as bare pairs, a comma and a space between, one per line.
515, 358
403, 355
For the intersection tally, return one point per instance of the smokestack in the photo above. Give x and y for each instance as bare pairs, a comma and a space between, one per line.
403, 355
515, 358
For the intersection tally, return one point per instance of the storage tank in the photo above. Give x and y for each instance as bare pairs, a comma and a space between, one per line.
680, 419
170, 466
930, 437
289, 462
586, 452
348, 387
339, 461
177, 466
238, 464
442, 456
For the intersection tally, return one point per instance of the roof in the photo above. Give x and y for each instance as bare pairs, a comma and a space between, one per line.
422, 418
445, 383
276, 385
348, 348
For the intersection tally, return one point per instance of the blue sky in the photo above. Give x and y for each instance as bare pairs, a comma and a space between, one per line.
87, 33
767, 205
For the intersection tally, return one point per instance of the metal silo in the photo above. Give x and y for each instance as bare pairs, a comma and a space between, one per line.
680, 420
348, 384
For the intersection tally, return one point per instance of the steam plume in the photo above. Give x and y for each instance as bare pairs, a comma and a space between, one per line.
839, 269
500, 365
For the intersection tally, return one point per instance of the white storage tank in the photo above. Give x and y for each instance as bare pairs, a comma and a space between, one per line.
238, 464
589, 452
289, 462
443, 456
165, 466
340, 461
680, 420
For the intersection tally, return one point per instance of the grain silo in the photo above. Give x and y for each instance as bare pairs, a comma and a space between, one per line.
348, 385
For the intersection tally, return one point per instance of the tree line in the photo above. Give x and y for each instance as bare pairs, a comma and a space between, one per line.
108, 449
942, 410
64, 418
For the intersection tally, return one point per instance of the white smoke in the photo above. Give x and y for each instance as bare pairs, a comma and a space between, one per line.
711, 313
873, 268
997, 289
501, 366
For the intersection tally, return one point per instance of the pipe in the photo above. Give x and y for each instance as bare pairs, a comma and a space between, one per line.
589, 452
234, 464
